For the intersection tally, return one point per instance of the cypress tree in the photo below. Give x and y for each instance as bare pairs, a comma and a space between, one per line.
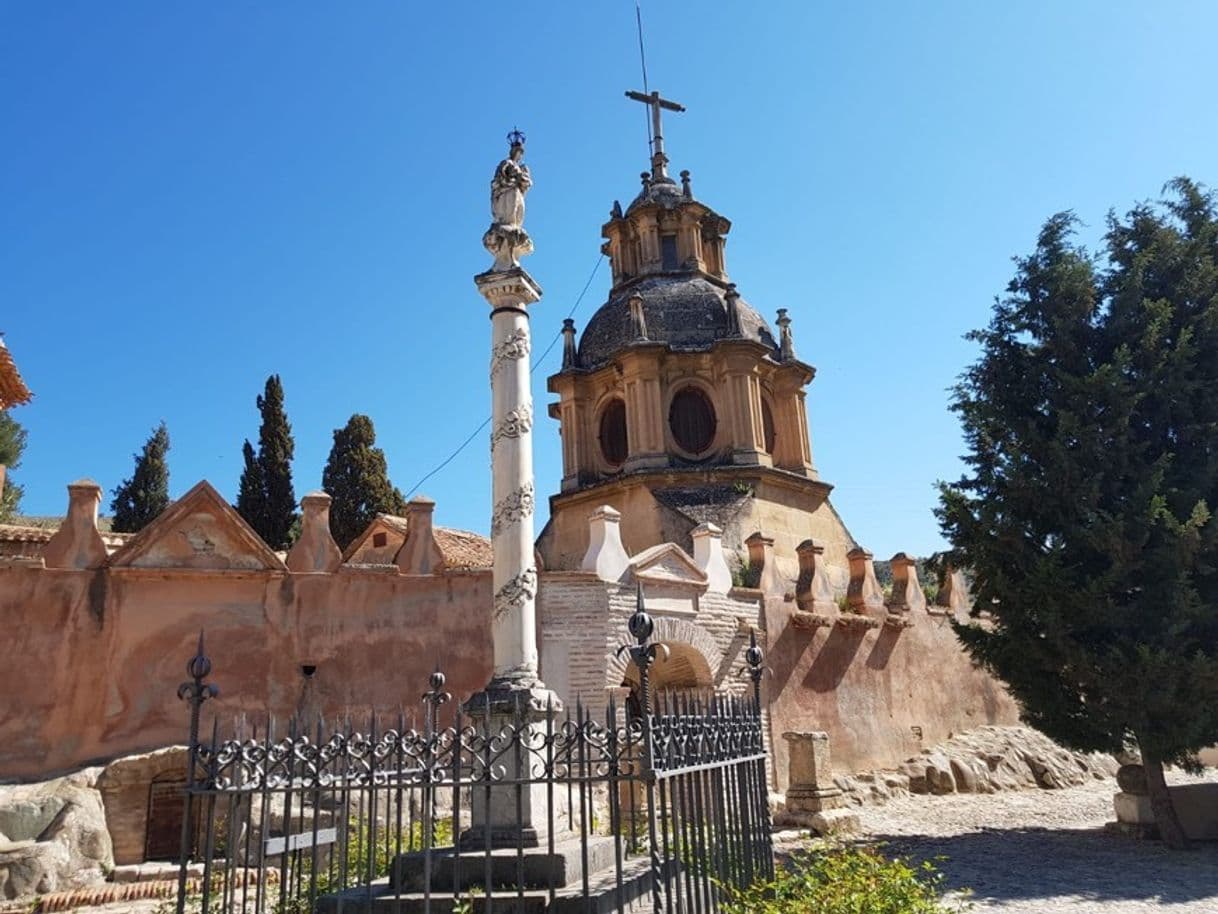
251, 490
12, 445
1092, 468
265, 495
138, 500
357, 478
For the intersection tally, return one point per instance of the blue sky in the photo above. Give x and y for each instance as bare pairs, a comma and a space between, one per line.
193, 196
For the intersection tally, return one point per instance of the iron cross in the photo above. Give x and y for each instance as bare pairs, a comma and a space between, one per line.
655, 102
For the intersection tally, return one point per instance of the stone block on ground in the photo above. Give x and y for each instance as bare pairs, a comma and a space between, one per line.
826, 823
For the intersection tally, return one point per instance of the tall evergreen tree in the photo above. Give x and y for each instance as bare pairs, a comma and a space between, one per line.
12, 445
1085, 512
251, 490
138, 500
265, 496
357, 479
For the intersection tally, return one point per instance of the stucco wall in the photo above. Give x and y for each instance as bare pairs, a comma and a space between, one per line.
869, 689
91, 660
789, 511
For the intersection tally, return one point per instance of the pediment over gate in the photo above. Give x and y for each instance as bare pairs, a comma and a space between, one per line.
199, 531
669, 565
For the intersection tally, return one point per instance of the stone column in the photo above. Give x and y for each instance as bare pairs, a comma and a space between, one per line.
515, 701
512, 487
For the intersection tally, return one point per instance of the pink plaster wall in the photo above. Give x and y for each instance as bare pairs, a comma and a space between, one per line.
90, 660
868, 689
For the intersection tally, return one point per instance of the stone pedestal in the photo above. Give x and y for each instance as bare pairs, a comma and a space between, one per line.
813, 800
812, 788
513, 812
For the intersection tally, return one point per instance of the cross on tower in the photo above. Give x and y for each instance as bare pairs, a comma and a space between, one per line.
655, 102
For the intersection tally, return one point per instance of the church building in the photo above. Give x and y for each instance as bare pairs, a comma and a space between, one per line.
679, 404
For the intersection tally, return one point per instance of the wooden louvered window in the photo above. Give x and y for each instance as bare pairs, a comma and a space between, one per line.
691, 417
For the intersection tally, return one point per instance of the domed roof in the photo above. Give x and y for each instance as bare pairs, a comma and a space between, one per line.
663, 192
689, 313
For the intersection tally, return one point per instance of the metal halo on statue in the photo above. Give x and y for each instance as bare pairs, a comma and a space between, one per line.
515, 138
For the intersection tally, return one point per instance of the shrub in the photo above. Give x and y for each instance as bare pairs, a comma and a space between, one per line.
846, 880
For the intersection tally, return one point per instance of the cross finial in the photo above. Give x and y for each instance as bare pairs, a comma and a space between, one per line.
659, 161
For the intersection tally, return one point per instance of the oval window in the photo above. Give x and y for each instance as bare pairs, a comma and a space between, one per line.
692, 420
613, 433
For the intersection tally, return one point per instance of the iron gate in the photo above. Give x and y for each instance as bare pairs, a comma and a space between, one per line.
663, 810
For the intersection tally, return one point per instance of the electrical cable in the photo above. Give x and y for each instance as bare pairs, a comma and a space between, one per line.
638, 19
487, 421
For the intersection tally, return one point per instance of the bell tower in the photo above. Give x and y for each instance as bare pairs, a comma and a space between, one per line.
679, 404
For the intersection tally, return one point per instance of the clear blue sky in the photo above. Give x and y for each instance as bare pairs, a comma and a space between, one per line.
193, 196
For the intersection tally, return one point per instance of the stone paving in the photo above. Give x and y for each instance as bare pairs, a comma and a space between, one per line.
1047, 852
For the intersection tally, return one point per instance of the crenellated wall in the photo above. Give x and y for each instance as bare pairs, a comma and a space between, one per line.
884, 676
92, 656
95, 645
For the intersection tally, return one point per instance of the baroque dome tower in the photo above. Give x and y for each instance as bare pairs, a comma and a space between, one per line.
680, 405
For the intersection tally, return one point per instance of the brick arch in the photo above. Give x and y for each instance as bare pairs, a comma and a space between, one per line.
667, 631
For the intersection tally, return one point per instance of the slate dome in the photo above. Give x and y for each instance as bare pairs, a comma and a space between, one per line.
689, 313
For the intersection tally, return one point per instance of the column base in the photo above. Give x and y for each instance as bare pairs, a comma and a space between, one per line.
507, 695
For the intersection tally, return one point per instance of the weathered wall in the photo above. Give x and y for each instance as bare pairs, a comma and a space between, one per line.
91, 660
788, 510
869, 688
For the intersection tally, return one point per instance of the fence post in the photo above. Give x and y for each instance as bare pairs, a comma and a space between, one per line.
756, 670
643, 655
196, 692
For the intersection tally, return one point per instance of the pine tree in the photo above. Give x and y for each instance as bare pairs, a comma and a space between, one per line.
1092, 466
265, 495
138, 500
12, 445
357, 479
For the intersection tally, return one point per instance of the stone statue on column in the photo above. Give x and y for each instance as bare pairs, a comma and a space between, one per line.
506, 239
515, 697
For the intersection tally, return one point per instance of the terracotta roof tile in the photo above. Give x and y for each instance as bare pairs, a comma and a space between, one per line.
41, 533
463, 550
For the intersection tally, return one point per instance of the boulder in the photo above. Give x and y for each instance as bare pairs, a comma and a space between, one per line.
1001, 758
54, 836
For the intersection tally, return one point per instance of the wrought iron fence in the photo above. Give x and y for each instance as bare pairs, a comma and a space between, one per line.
662, 810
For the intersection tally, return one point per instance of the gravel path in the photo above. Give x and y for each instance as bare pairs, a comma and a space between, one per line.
1046, 851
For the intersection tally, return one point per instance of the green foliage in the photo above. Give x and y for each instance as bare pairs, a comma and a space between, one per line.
357, 478
845, 880
361, 854
265, 496
12, 446
1084, 515
744, 574
138, 500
